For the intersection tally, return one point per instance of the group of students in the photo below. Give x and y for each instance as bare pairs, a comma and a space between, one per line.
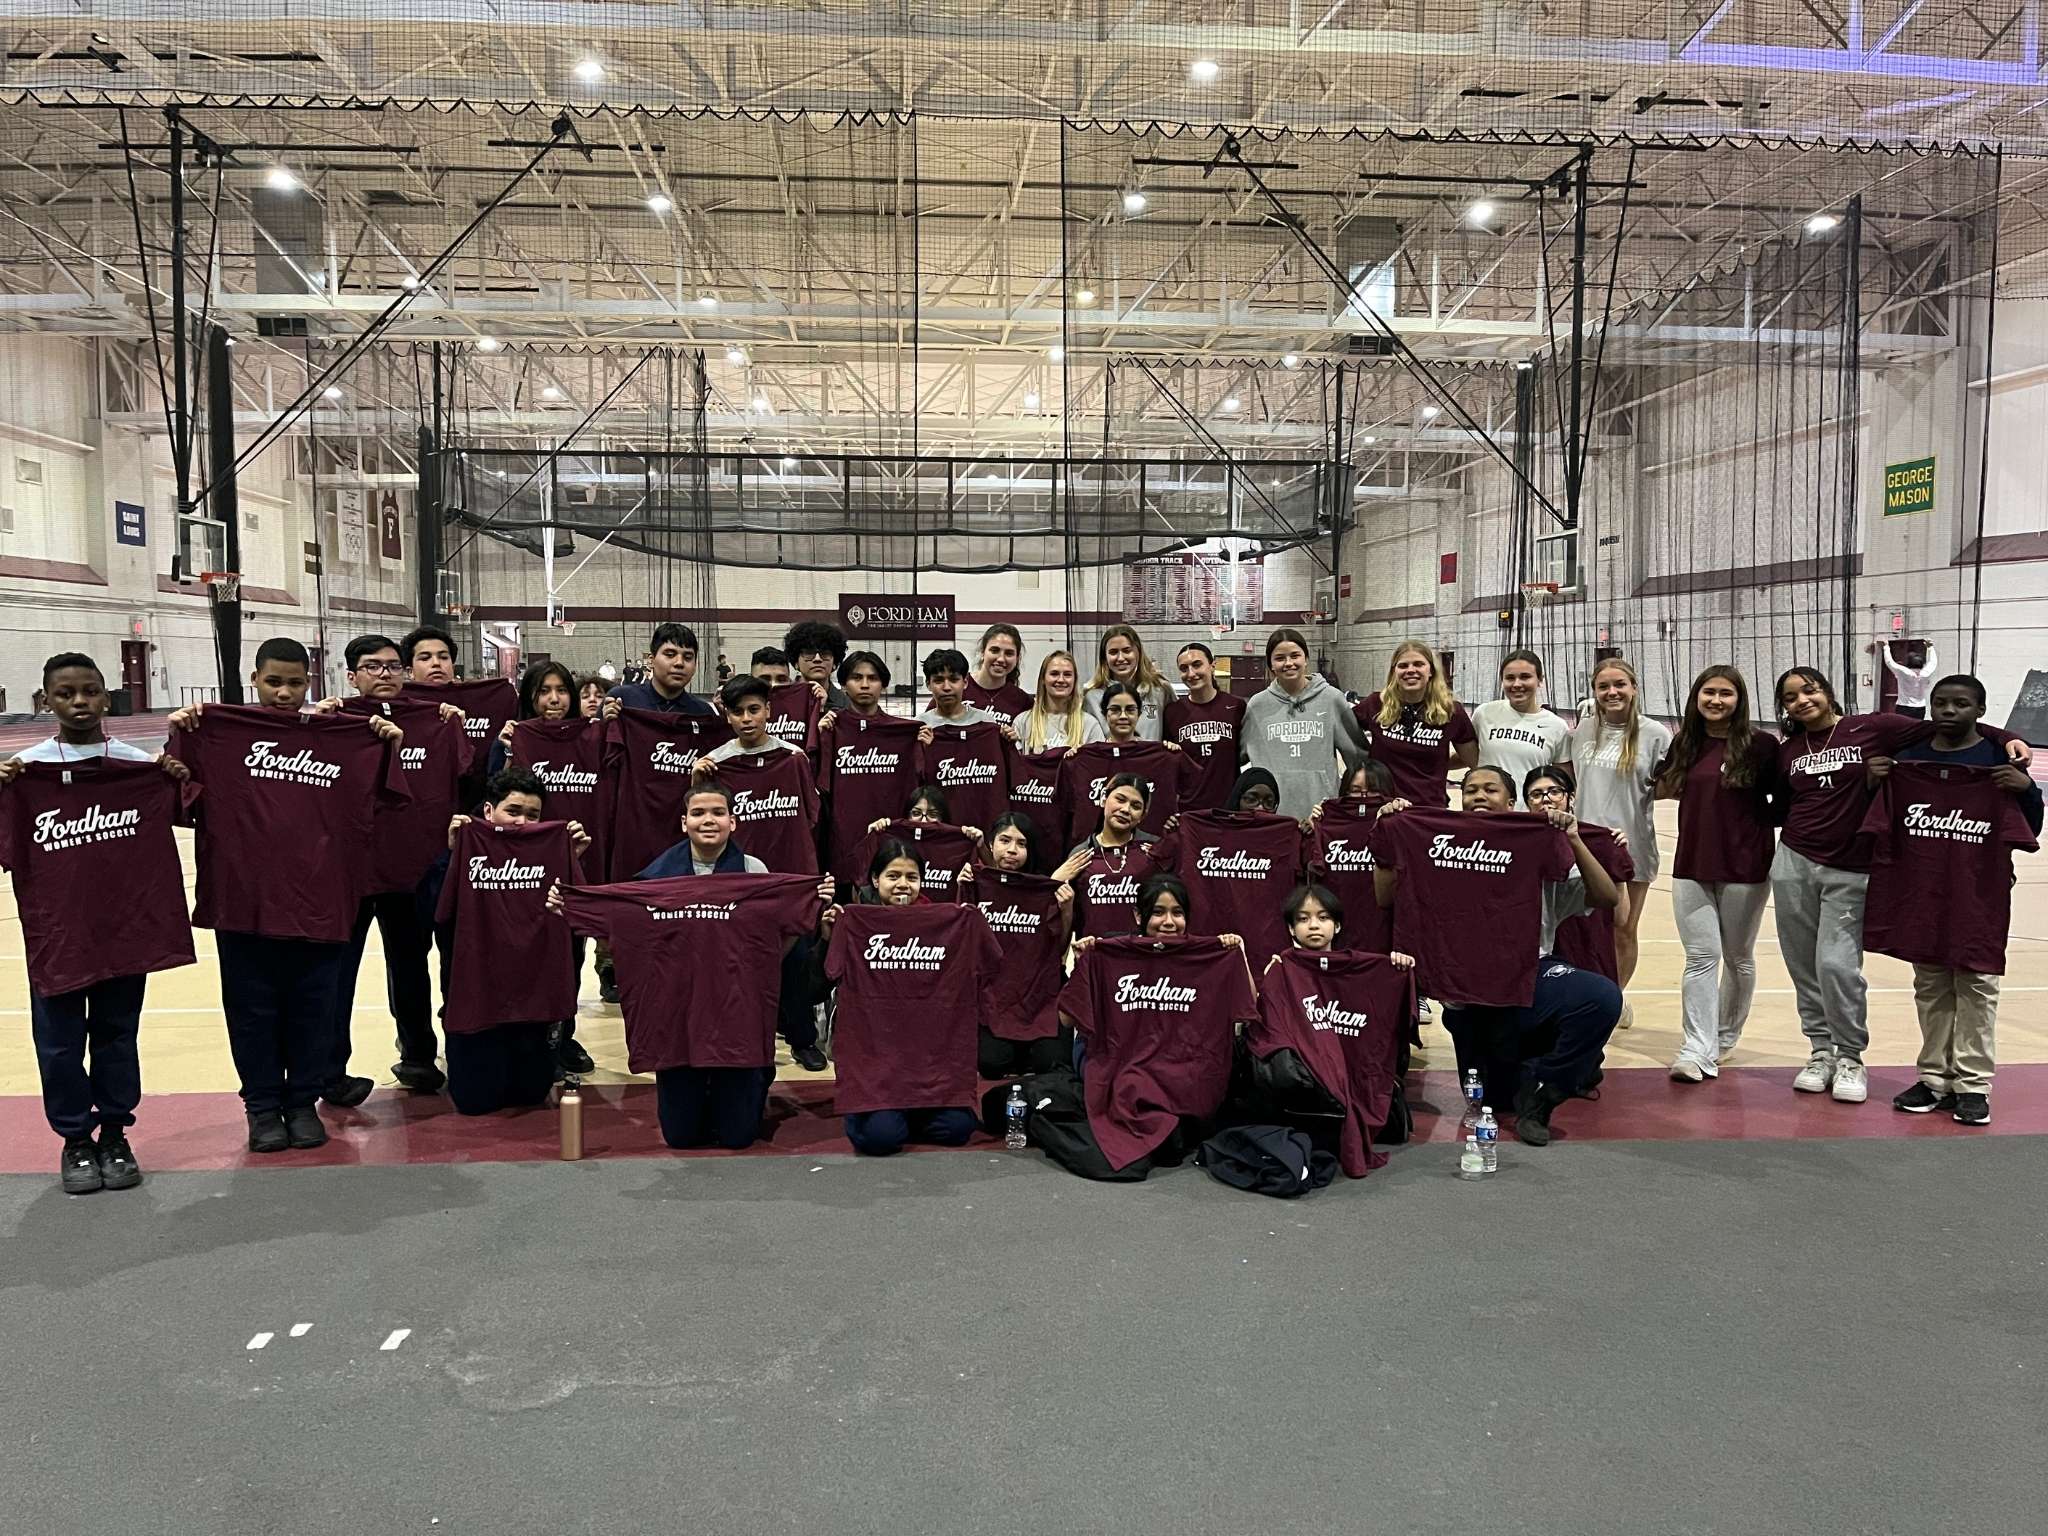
1153, 902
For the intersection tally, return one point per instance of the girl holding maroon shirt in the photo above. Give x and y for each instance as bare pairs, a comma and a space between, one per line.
1723, 773
1110, 866
1820, 874
1416, 727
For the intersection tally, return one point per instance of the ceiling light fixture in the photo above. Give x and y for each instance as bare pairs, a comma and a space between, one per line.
788, 462
1056, 353
1204, 70
761, 404
1430, 413
488, 343
1134, 202
1084, 297
1290, 361
707, 301
281, 180
736, 357
1821, 223
661, 202
331, 392
1480, 213
1031, 401
589, 70
550, 392
1231, 403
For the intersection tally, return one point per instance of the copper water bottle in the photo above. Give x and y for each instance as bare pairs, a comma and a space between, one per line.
570, 1104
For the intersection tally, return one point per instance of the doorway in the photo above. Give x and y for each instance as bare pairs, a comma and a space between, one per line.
135, 673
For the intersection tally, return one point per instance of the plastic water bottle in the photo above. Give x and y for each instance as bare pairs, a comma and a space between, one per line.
1488, 1139
1013, 1118
1474, 1100
1471, 1161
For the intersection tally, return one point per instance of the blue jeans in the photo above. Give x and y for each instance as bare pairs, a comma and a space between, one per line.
509, 1067
101, 1019
882, 1131
1558, 1039
279, 997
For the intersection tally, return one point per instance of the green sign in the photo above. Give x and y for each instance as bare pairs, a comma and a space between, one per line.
1909, 487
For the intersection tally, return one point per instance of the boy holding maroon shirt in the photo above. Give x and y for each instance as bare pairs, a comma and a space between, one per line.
1550, 1031
284, 860
80, 812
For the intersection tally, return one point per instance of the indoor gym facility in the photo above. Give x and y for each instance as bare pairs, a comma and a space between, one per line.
1709, 336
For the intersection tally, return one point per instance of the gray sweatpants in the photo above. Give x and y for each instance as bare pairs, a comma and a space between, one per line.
1718, 925
1820, 939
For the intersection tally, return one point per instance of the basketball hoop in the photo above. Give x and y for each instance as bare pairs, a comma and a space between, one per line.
226, 585
1536, 593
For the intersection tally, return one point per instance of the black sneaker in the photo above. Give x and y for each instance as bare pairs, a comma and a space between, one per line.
419, 1076
607, 984
1921, 1099
79, 1166
1973, 1109
1533, 1105
118, 1168
1590, 1088
809, 1057
302, 1127
347, 1092
266, 1131
572, 1057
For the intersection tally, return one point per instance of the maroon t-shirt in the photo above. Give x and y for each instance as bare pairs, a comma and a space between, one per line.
911, 989
486, 704
776, 806
513, 961
1343, 1013
433, 757
793, 710
567, 756
1826, 792
1159, 1017
1106, 890
1338, 851
1469, 903
1034, 793
1084, 783
1418, 754
1023, 912
1008, 701
971, 763
649, 755
1942, 840
1207, 736
287, 823
868, 767
943, 850
1239, 867
96, 873
1725, 833
699, 961
1587, 941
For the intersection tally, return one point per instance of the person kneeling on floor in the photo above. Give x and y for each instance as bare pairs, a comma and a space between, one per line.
512, 974
1550, 1050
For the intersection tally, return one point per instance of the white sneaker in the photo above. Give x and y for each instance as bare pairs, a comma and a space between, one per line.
1852, 1083
1815, 1076
1686, 1070
1628, 1017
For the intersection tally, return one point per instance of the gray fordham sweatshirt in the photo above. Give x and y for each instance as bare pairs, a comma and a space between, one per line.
1298, 739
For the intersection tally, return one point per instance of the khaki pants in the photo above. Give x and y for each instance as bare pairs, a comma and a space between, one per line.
1957, 1012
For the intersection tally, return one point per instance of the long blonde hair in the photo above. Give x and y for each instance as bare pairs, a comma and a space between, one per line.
1437, 703
1042, 709
1631, 728
1148, 679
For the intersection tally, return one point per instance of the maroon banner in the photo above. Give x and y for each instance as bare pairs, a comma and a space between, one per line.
897, 616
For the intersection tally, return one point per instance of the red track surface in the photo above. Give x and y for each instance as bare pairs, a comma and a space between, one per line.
197, 1131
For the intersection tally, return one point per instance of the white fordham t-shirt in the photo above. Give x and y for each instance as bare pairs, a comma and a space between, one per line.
1517, 743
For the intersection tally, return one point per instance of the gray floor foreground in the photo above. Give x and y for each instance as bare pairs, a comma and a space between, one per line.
1639, 1338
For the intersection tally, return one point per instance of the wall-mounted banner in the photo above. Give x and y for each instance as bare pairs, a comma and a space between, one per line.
1447, 569
131, 524
1909, 487
897, 615
388, 522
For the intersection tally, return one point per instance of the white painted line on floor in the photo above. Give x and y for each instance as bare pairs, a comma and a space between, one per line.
300, 1330
398, 1337
259, 1341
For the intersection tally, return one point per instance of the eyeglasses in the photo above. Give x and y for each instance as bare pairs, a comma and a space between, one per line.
813, 655
1122, 709
380, 668
1547, 792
